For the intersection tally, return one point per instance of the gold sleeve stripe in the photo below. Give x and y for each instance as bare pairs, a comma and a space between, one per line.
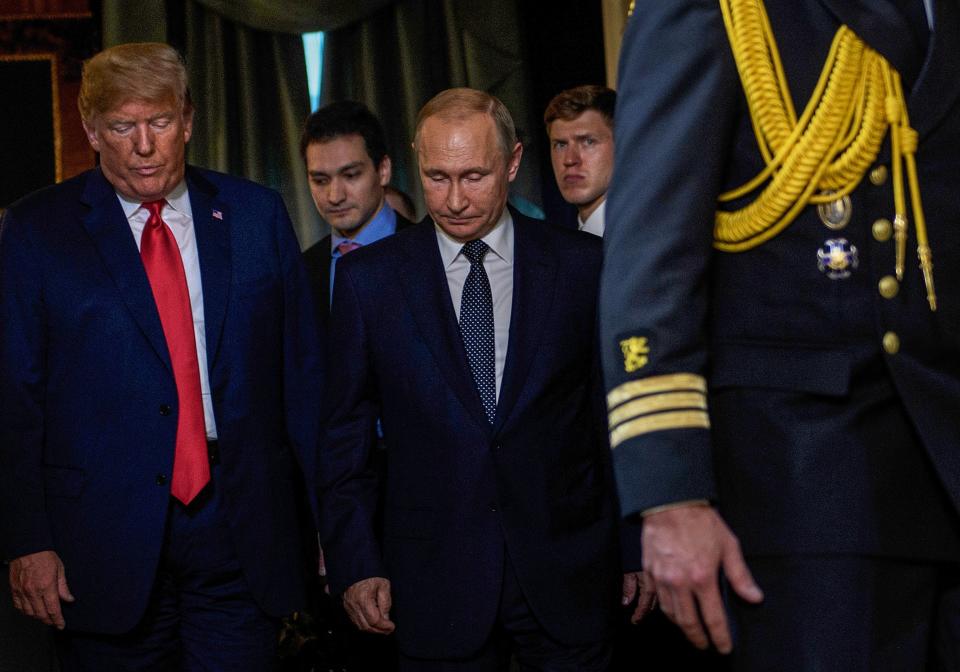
670, 382
665, 401
658, 422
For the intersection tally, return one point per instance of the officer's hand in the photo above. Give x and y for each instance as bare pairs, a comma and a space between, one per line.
38, 583
683, 549
368, 605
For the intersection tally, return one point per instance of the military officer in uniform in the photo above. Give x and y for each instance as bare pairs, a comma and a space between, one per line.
780, 317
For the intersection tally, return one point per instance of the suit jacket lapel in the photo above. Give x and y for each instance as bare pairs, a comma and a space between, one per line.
323, 282
427, 293
881, 24
939, 84
211, 222
534, 270
110, 231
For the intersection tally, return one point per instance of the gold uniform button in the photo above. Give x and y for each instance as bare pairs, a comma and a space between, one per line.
882, 230
891, 343
889, 286
878, 176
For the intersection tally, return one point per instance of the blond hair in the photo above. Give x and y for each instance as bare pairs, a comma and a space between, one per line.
460, 103
147, 71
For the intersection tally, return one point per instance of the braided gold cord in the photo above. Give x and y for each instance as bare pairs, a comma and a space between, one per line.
823, 155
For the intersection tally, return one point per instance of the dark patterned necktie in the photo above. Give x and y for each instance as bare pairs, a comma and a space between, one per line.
476, 327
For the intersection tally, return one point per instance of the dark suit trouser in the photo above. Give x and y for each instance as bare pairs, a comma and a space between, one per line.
850, 614
201, 615
518, 632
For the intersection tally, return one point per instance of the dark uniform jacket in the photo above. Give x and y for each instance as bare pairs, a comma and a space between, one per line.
834, 411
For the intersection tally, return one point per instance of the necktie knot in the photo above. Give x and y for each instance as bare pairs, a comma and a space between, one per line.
475, 251
154, 208
348, 246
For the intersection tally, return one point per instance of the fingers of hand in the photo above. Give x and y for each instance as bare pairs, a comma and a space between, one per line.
714, 617
51, 608
738, 574
384, 602
646, 602
681, 587
356, 615
368, 606
63, 589
686, 617
645, 605
39, 599
629, 588
376, 619
353, 600
384, 599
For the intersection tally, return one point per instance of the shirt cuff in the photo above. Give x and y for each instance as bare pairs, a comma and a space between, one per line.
674, 505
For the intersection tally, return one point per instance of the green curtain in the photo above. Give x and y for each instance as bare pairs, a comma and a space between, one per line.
250, 91
404, 54
301, 16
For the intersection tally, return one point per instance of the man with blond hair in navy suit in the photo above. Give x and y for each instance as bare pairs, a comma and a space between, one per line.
159, 383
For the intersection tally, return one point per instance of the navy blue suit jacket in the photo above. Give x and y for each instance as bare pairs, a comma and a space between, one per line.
461, 494
85, 450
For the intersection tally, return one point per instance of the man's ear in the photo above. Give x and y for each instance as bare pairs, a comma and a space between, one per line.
513, 165
385, 169
92, 138
187, 123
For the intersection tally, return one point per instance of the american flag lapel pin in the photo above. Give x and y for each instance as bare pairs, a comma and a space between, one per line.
218, 215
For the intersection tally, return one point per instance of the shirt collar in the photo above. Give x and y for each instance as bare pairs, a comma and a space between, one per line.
383, 224
594, 223
178, 199
499, 239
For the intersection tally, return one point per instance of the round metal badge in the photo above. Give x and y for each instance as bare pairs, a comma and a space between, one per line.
836, 214
837, 257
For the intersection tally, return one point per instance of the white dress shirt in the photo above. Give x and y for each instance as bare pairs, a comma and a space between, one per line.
595, 222
179, 217
498, 263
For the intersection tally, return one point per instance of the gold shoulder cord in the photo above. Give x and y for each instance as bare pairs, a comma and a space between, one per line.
823, 155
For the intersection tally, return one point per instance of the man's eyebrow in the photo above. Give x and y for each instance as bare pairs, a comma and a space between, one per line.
338, 169
350, 166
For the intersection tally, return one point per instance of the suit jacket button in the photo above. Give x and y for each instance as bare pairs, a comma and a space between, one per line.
161, 479
165, 409
878, 175
889, 287
882, 230
891, 343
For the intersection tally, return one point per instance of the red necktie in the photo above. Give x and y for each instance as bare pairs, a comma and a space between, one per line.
161, 259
